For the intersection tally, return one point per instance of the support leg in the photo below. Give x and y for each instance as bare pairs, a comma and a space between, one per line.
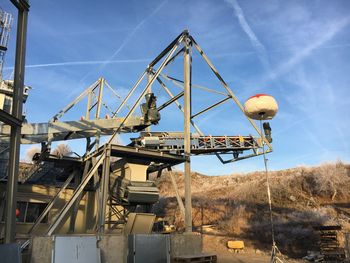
187, 135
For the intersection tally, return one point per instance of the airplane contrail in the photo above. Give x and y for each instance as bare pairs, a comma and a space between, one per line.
327, 34
78, 63
258, 46
138, 26
110, 60
128, 37
145, 60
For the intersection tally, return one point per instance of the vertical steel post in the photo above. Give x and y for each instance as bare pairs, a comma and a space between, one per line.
15, 140
88, 106
187, 134
98, 110
99, 98
104, 191
149, 79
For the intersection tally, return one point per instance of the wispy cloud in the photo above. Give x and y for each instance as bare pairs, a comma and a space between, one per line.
256, 43
145, 60
128, 37
314, 109
80, 63
132, 33
325, 35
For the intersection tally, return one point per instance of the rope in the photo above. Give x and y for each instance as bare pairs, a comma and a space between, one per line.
275, 250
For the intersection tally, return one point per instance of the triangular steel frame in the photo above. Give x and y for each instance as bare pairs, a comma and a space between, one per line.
101, 157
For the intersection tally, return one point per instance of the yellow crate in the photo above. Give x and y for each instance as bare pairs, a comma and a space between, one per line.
235, 244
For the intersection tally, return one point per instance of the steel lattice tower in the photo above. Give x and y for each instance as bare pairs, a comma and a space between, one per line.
5, 28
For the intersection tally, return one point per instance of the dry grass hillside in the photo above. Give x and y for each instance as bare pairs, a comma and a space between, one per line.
237, 204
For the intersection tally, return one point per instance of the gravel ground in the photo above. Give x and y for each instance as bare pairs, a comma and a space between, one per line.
248, 258
216, 244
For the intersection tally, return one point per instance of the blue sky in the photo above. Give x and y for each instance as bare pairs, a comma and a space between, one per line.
297, 51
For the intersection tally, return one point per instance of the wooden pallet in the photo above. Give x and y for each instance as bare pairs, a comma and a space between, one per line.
198, 258
329, 244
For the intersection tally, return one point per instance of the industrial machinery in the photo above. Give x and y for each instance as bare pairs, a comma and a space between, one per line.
114, 180
163, 226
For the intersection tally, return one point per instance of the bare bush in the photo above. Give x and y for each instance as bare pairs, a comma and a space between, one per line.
62, 150
30, 153
302, 197
237, 224
327, 180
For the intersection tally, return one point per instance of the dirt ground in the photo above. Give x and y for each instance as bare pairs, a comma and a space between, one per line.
247, 258
216, 244
242, 258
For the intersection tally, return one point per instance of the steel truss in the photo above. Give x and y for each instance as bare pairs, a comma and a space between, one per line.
97, 162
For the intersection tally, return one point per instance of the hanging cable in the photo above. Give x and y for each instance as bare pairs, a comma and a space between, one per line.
275, 250
267, 184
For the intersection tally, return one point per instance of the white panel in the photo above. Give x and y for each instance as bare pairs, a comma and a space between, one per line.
2, 101
76, 249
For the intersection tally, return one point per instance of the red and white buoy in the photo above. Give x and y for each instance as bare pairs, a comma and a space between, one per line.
261, 107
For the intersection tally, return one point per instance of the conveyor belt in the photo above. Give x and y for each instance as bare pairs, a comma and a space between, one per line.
174, 142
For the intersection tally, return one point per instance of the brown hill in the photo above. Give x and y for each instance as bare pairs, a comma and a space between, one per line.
302, 197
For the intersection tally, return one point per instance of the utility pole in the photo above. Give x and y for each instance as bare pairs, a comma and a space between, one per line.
187, 133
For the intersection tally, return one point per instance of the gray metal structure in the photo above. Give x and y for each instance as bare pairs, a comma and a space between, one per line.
168, 150
5, 28
15, 120
10, 253
148, 248
173, 142
169, 54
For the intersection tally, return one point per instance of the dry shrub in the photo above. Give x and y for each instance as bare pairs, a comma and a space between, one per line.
62, 150
30, 153
314, 216
237, 224
327, 180
302, 197
294, 232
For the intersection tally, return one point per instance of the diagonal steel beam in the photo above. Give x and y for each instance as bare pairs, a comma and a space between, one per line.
176, 81
167, 103
9, 119
154, 77
129, 94
175, 56
179, 105
111, 89
75, 101
52, 202
211, 107
76, 194
167, 49
229, 91
178, 197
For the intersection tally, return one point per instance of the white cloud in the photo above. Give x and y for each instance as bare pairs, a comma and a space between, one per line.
328, 32
129, 36
256, 43
81, 63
